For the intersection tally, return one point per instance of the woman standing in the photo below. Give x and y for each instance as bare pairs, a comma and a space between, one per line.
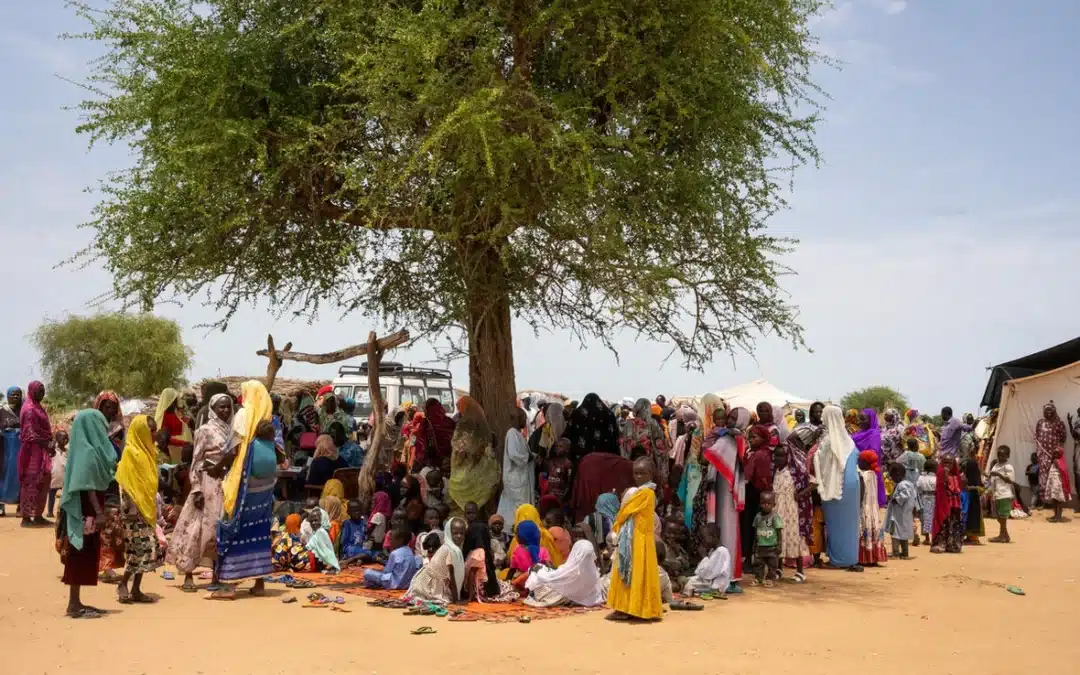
243, 536
137, 474
1050, 447
9, 448
948, 532
837, 472
869, 438
518, 472
474, 472
167, 417
109, 405
37, 444
724, 446
195, 536
90, 467
592, 428
892, 438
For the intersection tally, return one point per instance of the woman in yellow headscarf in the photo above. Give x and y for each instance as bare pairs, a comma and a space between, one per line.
244, 544
635, 578
547, 542
137, 475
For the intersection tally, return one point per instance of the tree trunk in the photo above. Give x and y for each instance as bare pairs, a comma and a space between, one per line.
374, 461
491, 344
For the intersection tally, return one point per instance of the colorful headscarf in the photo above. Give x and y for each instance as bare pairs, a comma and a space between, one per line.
870, 457
380, 503
137, 472
33, 420
333, 488
562, 541
257, 408
292, 523
607, 504
109, 396
91, 464
528, 534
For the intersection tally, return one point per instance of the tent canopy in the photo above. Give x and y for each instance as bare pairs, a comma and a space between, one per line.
749, 394
1048, 359
1022, 406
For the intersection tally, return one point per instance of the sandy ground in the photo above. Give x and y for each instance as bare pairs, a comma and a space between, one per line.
949, 612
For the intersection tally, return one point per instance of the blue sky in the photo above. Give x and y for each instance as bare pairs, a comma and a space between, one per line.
938, 236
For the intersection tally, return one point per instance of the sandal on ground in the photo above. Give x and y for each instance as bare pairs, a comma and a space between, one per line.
687, 606
768, 583
300, 583
189, 588
223, 594
424, 630
288, 600
339, 608
85, 613
798, 578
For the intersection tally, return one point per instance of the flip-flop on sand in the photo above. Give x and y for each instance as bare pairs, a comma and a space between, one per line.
424, 630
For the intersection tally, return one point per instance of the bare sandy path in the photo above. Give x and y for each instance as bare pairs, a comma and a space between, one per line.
941, 611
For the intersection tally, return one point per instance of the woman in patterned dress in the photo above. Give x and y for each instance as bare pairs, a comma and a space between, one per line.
137, 475
871, 536
1050, 446
195, 536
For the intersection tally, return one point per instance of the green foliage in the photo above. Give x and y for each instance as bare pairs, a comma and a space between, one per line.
132, 354
878, 397
434, 163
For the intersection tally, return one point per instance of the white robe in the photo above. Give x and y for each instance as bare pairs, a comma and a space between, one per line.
577, 579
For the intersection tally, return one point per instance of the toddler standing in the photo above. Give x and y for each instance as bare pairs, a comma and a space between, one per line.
900, 516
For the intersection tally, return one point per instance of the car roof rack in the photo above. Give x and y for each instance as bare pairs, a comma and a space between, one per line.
392, 368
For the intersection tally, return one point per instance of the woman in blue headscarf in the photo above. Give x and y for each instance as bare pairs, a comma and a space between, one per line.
90, 468
598, 524
9, 448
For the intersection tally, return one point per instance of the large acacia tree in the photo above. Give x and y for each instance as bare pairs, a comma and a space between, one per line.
447, 165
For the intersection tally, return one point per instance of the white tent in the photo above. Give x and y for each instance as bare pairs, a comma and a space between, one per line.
1022, 402
748, 395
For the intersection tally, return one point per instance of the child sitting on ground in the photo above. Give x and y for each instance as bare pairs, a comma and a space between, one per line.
399, 520
401, 565
677, 560
666, 596
768, 528
900, 516
434, 496
713, 573
500, 541
319, 546
353, 533
432, 525
927, 488
1002, 486
431, 543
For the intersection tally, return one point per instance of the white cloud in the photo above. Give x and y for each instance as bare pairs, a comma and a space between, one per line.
894, 6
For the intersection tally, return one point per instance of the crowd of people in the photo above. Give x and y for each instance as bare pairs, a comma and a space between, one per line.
624, 504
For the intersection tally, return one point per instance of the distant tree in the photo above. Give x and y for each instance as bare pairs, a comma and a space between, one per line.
878, 397
131, 354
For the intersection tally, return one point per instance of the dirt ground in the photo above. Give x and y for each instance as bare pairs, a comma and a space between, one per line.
950, 613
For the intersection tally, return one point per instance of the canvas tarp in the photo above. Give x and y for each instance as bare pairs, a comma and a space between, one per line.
1022, 402
749, 394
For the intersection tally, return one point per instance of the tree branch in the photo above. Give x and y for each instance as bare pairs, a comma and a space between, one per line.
382, 344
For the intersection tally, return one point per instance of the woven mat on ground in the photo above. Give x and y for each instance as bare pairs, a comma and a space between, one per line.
354, 574
490, 612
